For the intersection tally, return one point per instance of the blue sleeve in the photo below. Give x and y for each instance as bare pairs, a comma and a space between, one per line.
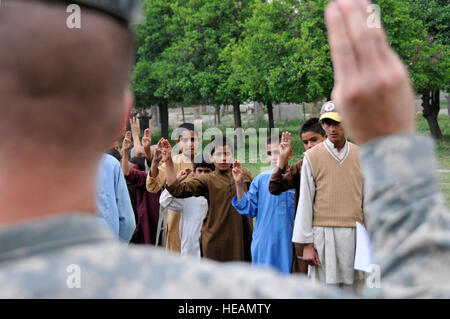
248, 205
406, 215
127, 223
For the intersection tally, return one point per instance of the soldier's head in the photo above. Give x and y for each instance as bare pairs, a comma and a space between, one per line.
312, 133
331, 123
63, 90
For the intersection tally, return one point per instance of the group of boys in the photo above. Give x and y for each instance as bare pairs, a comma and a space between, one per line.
52, 245
304, 214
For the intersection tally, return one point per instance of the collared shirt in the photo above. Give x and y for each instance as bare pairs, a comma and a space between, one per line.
303, 229
336, 246
226, 235
271, 241
406, 217
113, 199
192, 211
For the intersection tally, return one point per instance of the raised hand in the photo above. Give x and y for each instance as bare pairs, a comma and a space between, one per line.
183, 174
371, 88
147, 139
157, 153
127, 144
285, 149
166, 150
135, 126
237, 172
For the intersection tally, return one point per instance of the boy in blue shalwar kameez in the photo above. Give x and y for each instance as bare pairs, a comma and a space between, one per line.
272, 234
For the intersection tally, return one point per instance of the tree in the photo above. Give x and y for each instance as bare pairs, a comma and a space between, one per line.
284, 56
190, 70
420, 40
153, 36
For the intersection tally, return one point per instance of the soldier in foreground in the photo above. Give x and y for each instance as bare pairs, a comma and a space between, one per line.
52, 243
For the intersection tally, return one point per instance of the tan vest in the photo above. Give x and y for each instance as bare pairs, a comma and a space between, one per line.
339, 188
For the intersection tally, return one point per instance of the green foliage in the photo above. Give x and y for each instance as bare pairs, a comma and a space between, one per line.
284, 56
221, 51
418, 39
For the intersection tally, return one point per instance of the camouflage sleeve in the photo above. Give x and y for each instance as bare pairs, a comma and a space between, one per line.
408, 222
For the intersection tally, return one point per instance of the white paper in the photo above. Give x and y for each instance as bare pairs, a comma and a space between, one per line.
363, 255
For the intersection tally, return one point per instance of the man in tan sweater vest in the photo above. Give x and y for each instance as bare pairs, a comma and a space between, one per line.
330, 204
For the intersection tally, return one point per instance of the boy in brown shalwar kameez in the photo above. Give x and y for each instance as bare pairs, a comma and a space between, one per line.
226, 235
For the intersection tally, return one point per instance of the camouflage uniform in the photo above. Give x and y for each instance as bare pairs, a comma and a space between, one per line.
406, 217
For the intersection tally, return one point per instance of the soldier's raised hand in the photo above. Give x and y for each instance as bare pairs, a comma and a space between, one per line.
371, 86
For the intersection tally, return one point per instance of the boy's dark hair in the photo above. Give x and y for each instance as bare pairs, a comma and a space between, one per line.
312, 125
139, 161
221, 142
115, 153
202, 160
186, 127
274, 139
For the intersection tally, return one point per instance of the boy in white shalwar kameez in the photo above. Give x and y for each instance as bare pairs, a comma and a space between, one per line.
192, 209
330, 204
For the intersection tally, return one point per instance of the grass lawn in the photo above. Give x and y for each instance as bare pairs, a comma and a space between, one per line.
293, 126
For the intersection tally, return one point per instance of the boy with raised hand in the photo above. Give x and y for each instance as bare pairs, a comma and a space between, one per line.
192, 210
188, 144
271, 241
147, 204
285, 178
225, 235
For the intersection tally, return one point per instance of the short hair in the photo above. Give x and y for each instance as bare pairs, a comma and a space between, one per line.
312, 125
274, 139
63, 86
139, 161
221, 142
186, 127
115, 153
202, 160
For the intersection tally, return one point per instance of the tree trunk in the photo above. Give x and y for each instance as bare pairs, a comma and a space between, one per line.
218, 114
237, 114
448, 104
164, 113
304, 110
182, 112
270, 112
155, 121
313, 112
431, 106
238, 123
197, 114
223, 110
